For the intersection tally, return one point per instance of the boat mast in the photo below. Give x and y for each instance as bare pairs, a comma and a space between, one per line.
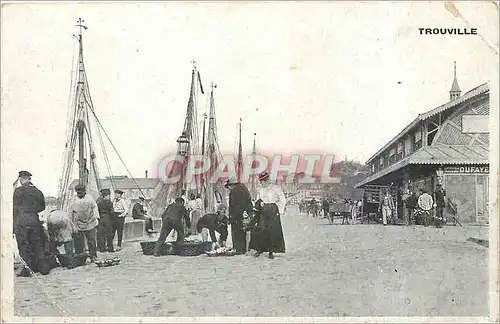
82, 113
240, 155
254, 155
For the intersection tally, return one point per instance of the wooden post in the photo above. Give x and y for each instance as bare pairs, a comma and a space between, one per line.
425, 128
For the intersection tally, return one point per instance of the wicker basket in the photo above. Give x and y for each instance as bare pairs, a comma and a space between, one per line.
76, 261
192, 248
148, 248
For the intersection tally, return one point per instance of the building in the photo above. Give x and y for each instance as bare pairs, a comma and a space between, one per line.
129, 186
449, 145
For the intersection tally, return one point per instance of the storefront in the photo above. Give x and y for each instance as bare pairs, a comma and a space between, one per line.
448, 145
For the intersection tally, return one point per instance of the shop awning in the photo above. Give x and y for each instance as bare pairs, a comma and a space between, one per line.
439, 154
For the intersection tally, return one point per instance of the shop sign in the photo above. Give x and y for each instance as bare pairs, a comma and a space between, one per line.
467, 169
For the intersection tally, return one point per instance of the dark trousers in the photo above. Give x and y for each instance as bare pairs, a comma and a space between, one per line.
31, 244
167, 225
105, 234
148, 220
118, 223
223, 233
239, 237
410, 215
439, 211
91, 237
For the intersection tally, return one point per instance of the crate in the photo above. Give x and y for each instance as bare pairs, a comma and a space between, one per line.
148, 248
192, 248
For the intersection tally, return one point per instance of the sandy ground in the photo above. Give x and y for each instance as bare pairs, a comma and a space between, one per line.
328, 270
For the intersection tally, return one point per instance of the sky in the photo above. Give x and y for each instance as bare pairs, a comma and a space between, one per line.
338, 78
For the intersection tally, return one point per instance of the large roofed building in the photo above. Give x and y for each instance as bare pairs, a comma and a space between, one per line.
449, 145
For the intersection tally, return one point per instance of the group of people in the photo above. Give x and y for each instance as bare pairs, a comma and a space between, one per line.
95, 222
261, 219
419, 206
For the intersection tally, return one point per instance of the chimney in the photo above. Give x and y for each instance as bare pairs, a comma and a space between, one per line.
146, 173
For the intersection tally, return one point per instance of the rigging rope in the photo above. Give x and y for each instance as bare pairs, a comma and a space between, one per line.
103, 147
116, 151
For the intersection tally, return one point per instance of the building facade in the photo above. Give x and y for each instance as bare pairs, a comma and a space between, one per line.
448, 145
129, 186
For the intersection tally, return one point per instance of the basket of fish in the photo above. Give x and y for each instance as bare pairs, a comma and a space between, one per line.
148, 248
192, 248
107, 262
222, 251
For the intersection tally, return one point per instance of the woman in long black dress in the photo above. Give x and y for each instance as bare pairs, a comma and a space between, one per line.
267, 235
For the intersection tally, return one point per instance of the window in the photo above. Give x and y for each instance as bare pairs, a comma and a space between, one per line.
392, 156
418, 139
373, 167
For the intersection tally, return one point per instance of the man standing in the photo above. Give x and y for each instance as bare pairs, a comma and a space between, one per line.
326, 208
28, 201
120, 211
425, 202
240, 202
139, 213
105, 228
439, 202
85, 215
172, 219
386, 206
411, 204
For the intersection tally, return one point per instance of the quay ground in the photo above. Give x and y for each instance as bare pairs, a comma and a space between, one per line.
328, 270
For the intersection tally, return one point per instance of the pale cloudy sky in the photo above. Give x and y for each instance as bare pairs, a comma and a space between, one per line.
304, 76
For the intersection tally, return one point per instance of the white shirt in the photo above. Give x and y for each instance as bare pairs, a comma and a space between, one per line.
199, 204
120, 206
425, 201
273, 194
192, 204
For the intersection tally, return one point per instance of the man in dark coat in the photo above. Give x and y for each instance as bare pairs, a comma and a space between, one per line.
215, 222
138, 213
172, 220
240, 202
326, 208
411, 204
439, 201
105, 227
28, 201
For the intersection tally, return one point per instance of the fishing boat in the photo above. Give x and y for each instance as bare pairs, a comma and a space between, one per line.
189, 144
82, 126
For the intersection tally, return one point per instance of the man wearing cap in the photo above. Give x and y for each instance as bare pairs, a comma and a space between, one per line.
105, 228
120, 211
172, 220
240, 202
28, 201
139, 213
85, 215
